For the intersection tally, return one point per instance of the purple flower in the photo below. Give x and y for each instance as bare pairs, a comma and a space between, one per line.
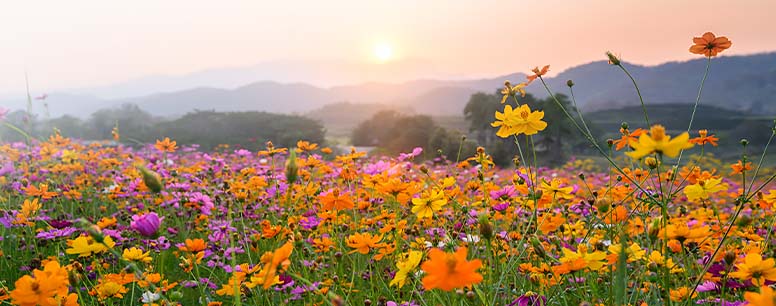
501, 206
505, 193
410, 156
146, 224
529, 299
7, 168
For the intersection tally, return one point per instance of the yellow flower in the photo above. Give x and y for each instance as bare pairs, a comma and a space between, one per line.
658, 142
704, 189
519, 121
557, 192
656, 258
110, 289
426, 206
135, 254
85, 246
582, 259
634, 252
509, 90
756, 269
409, 263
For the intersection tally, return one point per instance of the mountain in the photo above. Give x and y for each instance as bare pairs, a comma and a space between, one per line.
744, 83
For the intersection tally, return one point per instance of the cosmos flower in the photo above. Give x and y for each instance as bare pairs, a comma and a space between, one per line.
756, 269
709, 44
519, 121
146, 224
658, 142
448, 271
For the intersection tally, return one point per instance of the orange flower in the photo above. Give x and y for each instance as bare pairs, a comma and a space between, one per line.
194, 245
538, 73
336, 200
48, 283
166, 145
740, 167
447, 271
703, 139
302, 146
41, 191
362, 243
709, 45
271, 150
766, 297
628, 138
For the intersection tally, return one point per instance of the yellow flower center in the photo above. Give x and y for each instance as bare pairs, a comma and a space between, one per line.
658, 132
524, 114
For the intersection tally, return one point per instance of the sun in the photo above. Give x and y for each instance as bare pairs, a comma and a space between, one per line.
383, 52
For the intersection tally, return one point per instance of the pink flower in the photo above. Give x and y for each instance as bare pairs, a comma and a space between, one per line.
146, 224
3, 112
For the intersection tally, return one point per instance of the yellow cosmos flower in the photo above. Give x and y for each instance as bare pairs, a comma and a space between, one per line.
519, 121
756, 269
556, 190
410, 262
658, 142
704, 189
582, 259
425, 206
86, 246
135, 254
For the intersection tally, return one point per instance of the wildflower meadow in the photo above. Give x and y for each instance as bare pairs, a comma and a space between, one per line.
652, 222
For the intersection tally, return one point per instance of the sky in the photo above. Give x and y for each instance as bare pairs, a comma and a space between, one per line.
76, 44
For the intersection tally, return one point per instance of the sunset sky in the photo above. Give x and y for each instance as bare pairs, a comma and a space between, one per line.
68, 44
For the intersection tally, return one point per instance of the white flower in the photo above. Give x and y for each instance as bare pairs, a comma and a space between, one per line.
471, 238
150, 297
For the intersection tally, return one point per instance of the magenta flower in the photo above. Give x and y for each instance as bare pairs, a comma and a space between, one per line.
146, 224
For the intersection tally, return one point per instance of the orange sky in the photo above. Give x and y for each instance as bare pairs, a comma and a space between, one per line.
64, 44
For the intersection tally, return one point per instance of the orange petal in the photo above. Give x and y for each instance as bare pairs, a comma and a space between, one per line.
708, 37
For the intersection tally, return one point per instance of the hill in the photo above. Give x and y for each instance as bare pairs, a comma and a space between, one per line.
741, 83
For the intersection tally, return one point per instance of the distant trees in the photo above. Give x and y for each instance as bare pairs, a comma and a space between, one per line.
206, 128
394, 132
250, 130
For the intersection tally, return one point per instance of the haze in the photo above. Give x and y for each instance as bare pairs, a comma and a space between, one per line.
81, 44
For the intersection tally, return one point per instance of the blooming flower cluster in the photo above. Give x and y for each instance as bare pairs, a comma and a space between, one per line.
93, 224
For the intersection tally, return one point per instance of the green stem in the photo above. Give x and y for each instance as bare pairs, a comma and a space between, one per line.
638, 91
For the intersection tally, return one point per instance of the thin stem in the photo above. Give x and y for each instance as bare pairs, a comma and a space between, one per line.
638, 91
579, 112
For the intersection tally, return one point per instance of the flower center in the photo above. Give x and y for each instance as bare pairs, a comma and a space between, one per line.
524, 114
658, 132
451, 263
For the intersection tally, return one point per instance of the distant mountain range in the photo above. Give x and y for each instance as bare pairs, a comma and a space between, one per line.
743, 83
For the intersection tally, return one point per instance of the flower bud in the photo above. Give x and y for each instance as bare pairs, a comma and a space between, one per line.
744, 142
292, 169
486, 228
538, 247
150, 179
146, 224
613, 60
624, 125
570, 83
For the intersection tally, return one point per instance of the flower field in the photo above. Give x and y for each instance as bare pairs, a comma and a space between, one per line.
158, 224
